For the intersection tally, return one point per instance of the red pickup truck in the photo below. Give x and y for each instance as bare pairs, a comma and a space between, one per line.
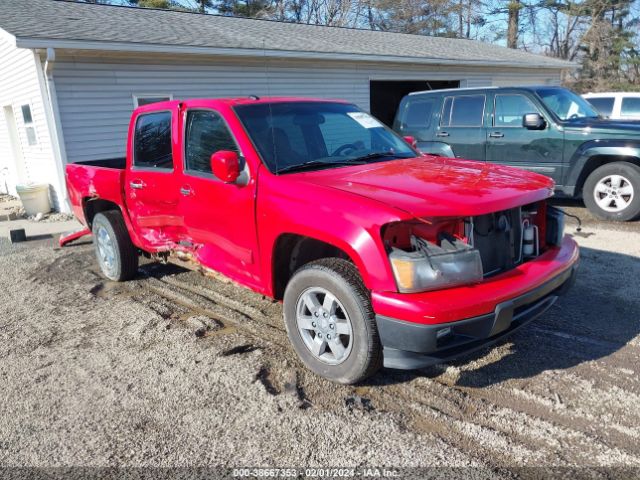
381, 255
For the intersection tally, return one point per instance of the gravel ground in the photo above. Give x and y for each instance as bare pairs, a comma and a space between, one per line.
176, 369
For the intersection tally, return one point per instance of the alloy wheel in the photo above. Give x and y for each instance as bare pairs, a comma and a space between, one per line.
613, 193
324, 325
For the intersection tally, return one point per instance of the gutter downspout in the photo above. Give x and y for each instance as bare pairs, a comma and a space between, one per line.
52, 114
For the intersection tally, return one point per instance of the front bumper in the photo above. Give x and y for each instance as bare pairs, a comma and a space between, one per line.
416, 344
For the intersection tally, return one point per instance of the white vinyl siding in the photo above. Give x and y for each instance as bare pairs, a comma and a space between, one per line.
94, 95
19, 86
527, 78
478, 82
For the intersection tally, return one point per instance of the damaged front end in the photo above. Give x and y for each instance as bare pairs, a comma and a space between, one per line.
435, 254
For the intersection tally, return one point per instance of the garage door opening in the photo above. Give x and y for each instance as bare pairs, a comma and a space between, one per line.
385, 95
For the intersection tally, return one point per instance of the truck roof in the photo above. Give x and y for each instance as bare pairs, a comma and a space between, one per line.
253, 99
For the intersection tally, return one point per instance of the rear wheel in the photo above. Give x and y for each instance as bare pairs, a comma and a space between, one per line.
116, 254
330, 321
612, 191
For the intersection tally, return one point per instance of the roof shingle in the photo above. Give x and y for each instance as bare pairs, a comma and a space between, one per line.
36, 22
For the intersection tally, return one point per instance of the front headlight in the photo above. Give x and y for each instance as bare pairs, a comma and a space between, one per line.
430, 267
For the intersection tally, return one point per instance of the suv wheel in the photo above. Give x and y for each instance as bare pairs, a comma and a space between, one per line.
116, 254
612, 191
330, 321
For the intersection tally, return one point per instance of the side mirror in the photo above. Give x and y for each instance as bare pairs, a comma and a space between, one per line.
533, 121
411, 141
225, 165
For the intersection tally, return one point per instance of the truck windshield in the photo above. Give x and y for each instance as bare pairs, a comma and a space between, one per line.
297, 136
566, 104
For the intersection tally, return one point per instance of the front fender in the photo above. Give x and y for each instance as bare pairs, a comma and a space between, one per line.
349, 222
587, 151
436, 148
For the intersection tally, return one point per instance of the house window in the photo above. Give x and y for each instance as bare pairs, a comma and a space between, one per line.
140, 100
29, 126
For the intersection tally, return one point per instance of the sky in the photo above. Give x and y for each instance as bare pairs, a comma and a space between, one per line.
488, 32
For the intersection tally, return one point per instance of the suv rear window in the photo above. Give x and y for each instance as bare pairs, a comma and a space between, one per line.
152, 141
419, 113
630, 107
604, 105
463, 111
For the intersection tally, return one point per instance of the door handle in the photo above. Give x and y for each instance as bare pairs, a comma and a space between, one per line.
186, 191
442, 134
136, 184
496, 135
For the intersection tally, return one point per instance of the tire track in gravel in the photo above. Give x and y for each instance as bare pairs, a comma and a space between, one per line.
487, 425
201, 303
252, 320
478, 421
592, 420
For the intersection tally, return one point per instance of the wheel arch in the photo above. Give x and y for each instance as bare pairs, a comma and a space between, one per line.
598, 160
291, 251
91, 206
592, 154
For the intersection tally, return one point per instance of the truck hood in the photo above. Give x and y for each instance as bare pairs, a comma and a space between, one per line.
605, 126
438, 186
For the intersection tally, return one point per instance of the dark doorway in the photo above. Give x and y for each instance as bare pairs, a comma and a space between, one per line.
385, 95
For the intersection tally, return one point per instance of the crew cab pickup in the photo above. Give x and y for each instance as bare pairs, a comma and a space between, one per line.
381, 255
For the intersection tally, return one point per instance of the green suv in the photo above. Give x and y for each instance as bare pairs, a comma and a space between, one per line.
550, 130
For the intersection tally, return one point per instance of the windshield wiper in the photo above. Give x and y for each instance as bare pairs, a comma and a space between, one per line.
351, 161
372, 155
318, 163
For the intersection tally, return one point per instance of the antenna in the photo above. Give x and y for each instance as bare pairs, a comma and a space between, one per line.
273, 134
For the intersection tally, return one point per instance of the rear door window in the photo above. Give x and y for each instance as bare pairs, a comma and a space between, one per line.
604, 105
630, 107
463, 111
152, 141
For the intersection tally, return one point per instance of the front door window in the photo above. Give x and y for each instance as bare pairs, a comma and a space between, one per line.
510, 109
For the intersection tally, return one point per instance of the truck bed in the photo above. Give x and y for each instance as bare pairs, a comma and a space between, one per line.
117, 163
95, 179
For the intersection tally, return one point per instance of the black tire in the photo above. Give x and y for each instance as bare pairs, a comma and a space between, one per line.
125, 255
342, 280
627, 170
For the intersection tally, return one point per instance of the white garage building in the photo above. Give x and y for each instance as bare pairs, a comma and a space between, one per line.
71, 73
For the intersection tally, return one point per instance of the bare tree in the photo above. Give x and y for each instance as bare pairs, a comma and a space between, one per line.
513, 23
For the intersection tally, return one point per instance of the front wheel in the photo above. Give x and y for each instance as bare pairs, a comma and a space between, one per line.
116, 254
330, 321
612, 191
